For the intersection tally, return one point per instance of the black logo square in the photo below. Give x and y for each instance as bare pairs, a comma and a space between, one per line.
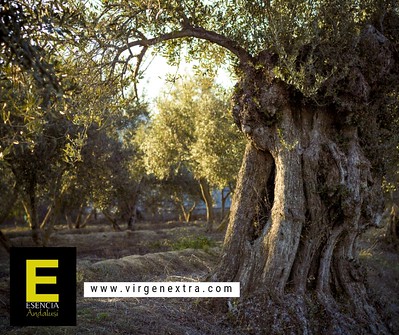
43, 286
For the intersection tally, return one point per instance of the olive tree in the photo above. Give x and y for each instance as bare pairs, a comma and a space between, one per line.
314, 83
108, 177
32, 128
219, 146
51, 94
192, 130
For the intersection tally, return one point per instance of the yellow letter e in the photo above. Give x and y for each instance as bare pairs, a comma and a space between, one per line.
32, 280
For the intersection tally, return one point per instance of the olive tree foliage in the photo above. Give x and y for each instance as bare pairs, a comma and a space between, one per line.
53, 97
316, 84
33, 126
163, 199
218, 147
192, 130
109, 175
32, 145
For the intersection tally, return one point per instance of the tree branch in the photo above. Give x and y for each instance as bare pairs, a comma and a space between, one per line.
136, 70
190, 31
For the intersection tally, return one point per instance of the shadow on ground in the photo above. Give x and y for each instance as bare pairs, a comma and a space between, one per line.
168, 252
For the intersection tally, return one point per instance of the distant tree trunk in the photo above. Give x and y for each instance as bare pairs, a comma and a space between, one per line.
5, 242
180, 202
132, 216
224, 199
187, 212
223, 225
207, 197
94, 213
130, 209
68, 221
78, 220
47, 225
113, 221
10, 202
81, 219
47, 217
86, 219
304, 194
128, 203
131, 222
30, 206
224, 217
54, 209
392, 234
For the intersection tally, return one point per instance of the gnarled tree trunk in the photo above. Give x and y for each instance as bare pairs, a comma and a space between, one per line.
304, 194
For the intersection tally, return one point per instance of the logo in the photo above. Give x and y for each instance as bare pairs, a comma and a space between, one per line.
43, 286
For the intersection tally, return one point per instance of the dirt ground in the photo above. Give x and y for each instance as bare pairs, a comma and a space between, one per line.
171, 251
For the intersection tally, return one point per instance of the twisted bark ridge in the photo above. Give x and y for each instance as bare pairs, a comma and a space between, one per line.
306, 191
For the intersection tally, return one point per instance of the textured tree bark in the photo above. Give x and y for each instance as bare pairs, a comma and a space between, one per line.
305, 192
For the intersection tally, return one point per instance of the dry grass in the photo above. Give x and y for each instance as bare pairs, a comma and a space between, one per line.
382, 265
142, 255
147, 254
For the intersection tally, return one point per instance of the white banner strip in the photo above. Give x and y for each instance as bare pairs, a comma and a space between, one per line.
161, 289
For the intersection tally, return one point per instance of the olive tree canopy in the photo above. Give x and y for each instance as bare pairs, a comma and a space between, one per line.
317, 85
316, 95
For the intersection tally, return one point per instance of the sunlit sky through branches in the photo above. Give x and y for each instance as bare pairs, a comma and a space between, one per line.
159, 76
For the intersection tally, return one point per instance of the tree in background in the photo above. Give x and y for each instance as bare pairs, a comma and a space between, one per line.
314, 80
56, 101
33, 129
109, 174
162, 199
219, 146
192, 131
391, 179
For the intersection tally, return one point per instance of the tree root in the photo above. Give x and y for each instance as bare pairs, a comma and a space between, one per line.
294, 314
